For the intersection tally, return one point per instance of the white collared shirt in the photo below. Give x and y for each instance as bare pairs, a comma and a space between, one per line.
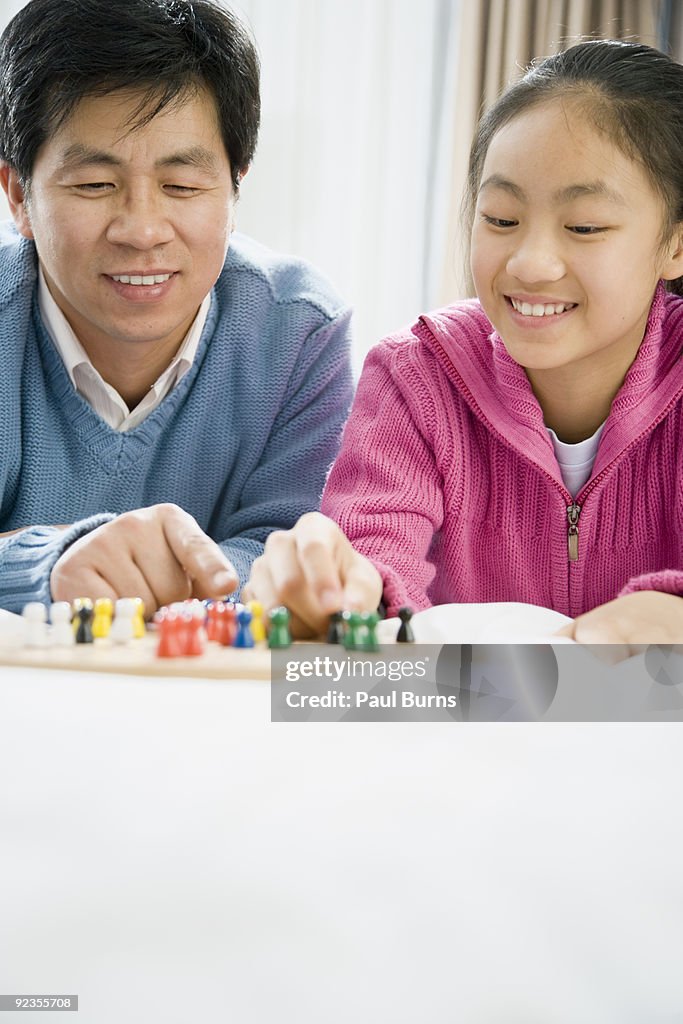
103, 398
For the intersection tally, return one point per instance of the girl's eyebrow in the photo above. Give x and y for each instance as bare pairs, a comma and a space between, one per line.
590, 188
597, 188
498, 181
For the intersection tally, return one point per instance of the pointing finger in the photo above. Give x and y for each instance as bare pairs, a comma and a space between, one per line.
200, 557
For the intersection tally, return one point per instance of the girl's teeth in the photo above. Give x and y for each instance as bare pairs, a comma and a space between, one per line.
140, 279
539, 309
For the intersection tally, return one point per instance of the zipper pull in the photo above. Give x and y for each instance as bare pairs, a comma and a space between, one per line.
573, 513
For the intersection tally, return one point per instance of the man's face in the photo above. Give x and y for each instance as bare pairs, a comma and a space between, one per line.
131, 226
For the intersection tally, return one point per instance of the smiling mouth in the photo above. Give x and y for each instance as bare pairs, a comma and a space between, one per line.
143, 279
540, 308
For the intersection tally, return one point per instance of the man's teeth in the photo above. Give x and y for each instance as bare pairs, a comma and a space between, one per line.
139, 279
538, 309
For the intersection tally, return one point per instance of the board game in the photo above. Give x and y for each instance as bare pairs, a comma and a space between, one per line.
137, 657
54, 638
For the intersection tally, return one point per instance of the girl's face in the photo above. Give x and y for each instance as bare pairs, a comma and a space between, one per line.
567, 246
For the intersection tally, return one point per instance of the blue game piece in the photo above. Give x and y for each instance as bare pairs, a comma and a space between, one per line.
243, 637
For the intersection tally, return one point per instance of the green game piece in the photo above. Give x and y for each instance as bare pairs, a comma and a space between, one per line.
368, 638
354, 631
279, 635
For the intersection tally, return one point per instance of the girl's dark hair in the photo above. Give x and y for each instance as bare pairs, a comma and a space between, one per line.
630, 91
55, 52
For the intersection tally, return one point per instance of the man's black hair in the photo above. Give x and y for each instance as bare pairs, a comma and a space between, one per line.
56, 52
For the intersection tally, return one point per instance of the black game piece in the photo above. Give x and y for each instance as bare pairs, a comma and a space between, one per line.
335, 632
405, 632
84, 629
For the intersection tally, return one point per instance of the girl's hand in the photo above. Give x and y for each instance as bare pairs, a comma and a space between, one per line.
630, 623
314, 571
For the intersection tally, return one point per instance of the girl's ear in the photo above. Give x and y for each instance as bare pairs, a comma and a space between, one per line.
673, 262
16, 199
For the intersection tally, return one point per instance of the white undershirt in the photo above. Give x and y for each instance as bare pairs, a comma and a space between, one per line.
575, 460
103, 398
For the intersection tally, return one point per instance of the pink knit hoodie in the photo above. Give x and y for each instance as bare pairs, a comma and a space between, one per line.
447, 478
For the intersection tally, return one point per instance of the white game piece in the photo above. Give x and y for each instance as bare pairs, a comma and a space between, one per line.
123, 627
61, 634
13, 629
35, 615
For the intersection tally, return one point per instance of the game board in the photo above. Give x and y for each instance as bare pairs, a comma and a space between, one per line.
137, 657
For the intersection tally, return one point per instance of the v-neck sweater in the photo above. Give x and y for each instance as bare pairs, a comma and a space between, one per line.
242, 443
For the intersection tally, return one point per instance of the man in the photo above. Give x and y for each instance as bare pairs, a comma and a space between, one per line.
162, 408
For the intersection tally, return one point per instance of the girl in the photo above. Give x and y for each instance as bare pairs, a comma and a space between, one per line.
525, 446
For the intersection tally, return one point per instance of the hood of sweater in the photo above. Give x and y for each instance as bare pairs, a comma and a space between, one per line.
474, 357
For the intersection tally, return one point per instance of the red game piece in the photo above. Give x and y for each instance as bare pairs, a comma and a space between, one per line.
195, 635
212, 625
170, 628
227, 624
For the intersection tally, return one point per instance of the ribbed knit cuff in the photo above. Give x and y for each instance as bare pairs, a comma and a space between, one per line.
27, 559
394, 593
667, 581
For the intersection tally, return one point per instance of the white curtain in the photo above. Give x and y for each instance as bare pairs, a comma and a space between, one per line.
345, 174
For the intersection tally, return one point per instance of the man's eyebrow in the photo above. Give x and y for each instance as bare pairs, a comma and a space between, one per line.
564, 195
195, 156
80, 155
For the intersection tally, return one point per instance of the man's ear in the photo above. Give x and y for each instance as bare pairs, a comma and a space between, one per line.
16, 198
673, 263
241, 175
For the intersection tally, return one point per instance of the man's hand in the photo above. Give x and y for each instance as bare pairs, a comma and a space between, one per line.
314, 571
630, 624
159, 554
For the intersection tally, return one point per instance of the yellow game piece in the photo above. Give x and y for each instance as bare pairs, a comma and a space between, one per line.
102, 621
258, 629
139, 629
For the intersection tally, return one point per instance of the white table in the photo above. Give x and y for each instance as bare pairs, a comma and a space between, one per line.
171, 856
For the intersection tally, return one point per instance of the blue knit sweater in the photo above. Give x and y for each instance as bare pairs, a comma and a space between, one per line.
243, 442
